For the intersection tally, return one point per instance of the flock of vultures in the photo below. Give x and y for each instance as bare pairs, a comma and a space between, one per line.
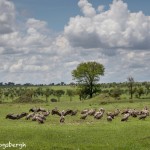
40, 114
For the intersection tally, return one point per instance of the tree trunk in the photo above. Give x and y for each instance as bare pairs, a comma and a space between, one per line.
46, 99
91, 90
131, 91
91, 94
70, 98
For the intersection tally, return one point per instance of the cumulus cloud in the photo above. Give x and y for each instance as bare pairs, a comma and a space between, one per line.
7, 16
30, 52
86, 8
100, 8
113, 28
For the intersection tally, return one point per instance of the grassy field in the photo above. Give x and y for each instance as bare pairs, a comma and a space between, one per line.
76, 134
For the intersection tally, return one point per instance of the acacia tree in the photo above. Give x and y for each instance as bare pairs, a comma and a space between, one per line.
70, 93
47, 93
58, 94
130, 85
87, 75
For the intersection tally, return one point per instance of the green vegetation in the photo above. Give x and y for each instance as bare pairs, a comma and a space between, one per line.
89, 134
74, 134
87, 75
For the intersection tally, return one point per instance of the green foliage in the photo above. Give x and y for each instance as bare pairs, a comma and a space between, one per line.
139, 92
116, 93
27, 99
87, 75
130, 85
58, 93
147, 86
70, 93
47, 93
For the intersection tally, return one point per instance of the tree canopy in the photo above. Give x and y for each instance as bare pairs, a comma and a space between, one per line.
88, 74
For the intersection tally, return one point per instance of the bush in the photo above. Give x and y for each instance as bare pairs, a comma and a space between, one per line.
103, 103
53, 100
27, 99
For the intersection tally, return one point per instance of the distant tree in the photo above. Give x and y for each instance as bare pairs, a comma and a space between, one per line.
82, 92
39, 92
70, 93
58, 93
6, 94
130, 86
116, 93
1, 95
62, 83
12, 96
140, 92
47, 93
147, 86
29, 93
87, 75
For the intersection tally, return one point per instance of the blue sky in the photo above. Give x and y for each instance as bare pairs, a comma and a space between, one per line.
58, 12
42, 41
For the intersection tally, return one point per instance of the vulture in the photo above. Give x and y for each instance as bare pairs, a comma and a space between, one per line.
63, 113
40, 120
46, 113
92, 112
55, 112
98, 115
125, 111
84, 111
23, 114
109, 118
142, 117
62, 119
84, 116
12, 116
68, 112
42, 109
134, 113
74, 112
112, 115
102, 110
34, 109
145, 111
116, 113
125, 117
41, 116
30, 116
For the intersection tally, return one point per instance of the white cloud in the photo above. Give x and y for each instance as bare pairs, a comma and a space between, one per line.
30, 52
113, 28
36, 24
86, 8
7, 16
100, 8
16, 67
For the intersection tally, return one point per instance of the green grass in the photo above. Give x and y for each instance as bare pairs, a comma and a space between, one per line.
76, 134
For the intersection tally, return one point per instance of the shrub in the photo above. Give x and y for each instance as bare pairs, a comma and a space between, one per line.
27, 99
53, 100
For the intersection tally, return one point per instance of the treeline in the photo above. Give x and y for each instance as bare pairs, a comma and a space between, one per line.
136, 89
31, 84
40, 93
24, 94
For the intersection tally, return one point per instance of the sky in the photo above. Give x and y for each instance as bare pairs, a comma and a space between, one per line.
41, 42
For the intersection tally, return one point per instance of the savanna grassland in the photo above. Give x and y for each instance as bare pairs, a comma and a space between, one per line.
77, 134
